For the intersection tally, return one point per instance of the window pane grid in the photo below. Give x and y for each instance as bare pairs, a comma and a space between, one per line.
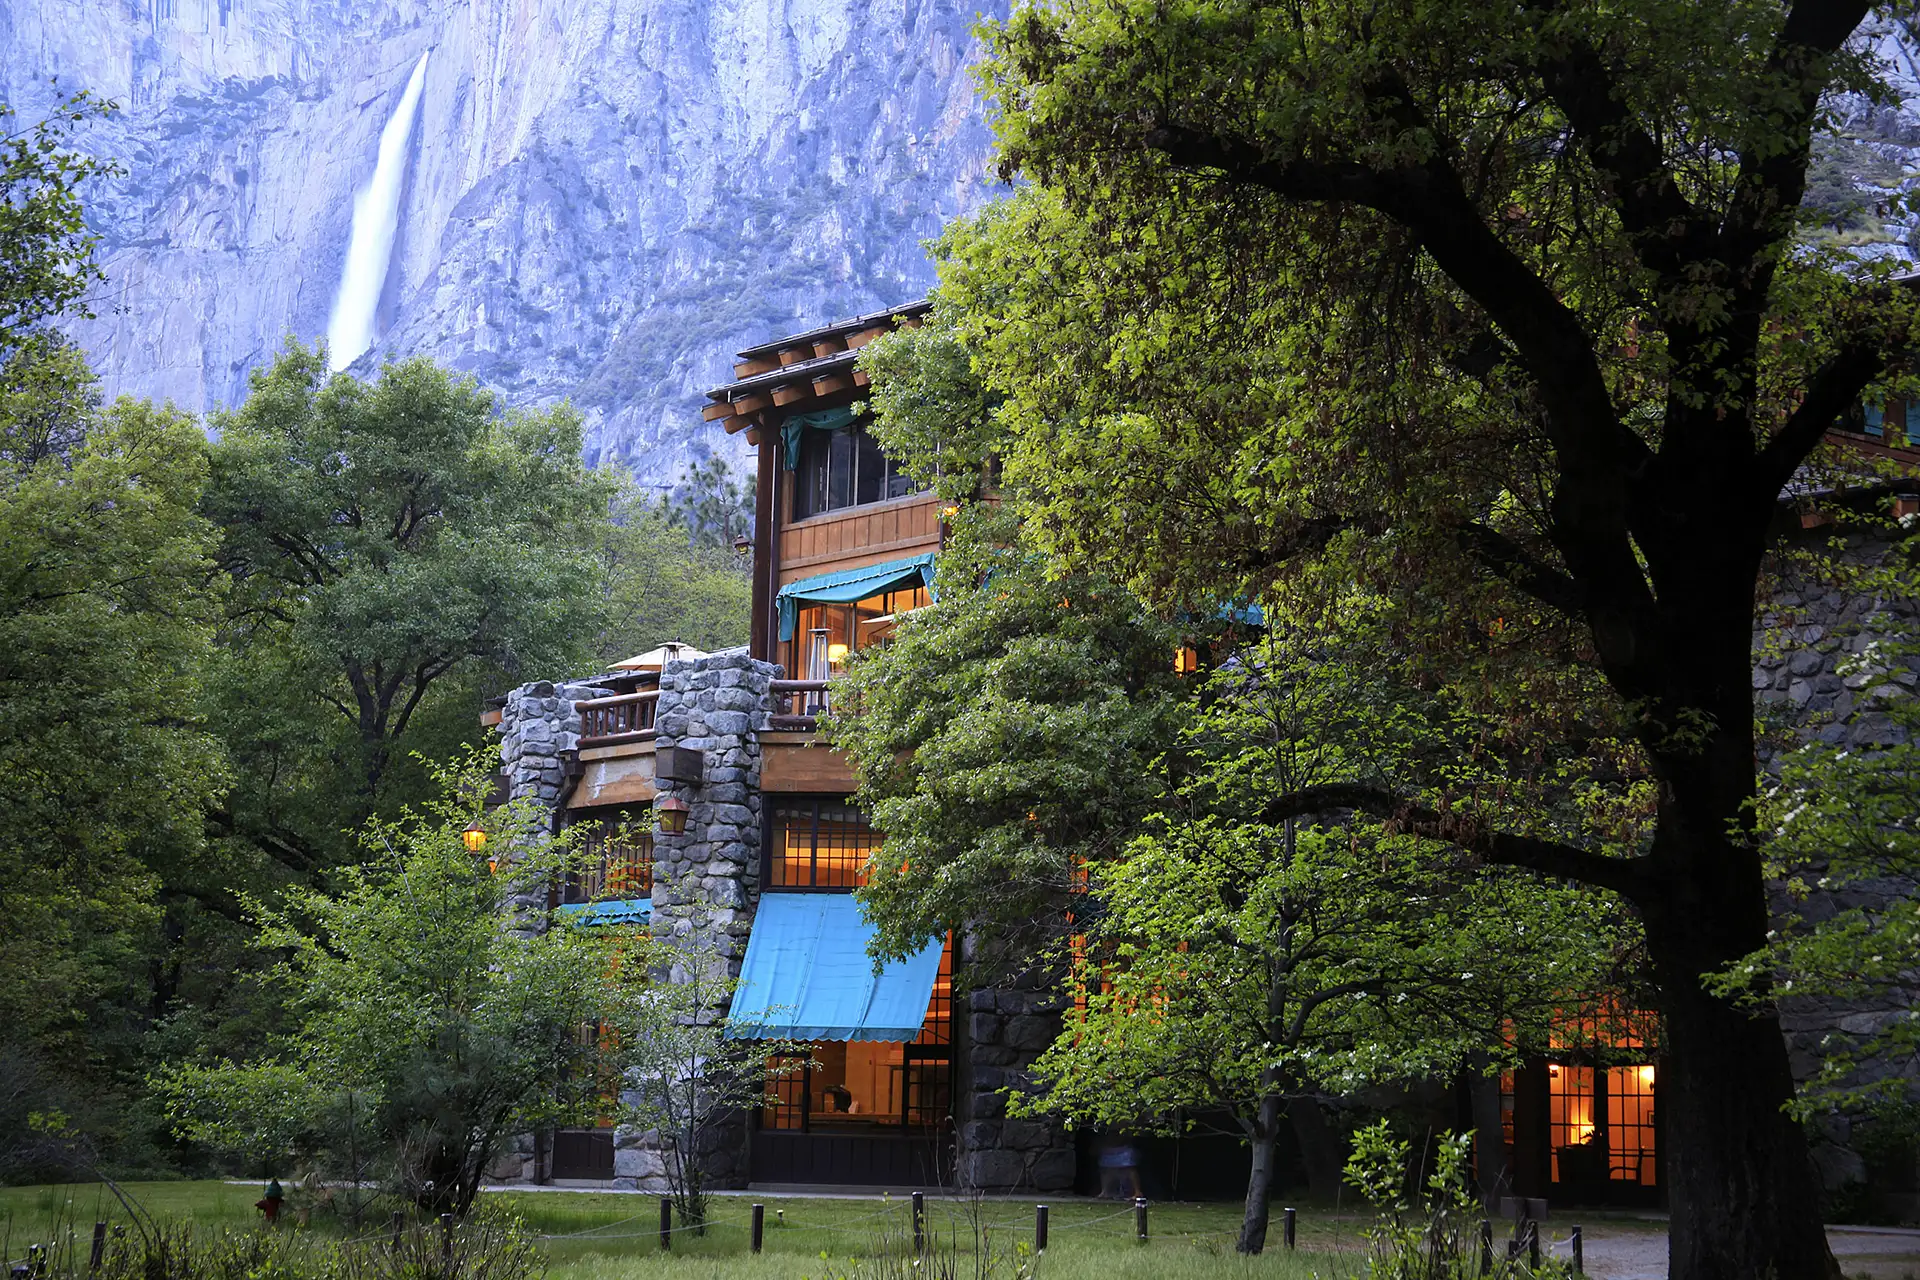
619, 864
819, 845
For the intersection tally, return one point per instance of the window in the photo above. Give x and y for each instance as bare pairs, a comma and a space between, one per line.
859, 1086
618, 864
826, 633
817, 844
844, 468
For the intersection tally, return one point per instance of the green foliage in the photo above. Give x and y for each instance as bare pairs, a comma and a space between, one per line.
713, 506
1432, 1235
46, 248
931, 409
430, 1025
659, 583
1843, 841
687, 1073
1233, 963
391, 544
107, 608
1005, 734
489, 1246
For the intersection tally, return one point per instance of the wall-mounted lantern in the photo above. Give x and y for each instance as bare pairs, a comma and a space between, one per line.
474, 837
672, 814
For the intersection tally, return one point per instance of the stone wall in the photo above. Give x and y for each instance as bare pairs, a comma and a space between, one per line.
537, 724
1810, 636
707, 879
1006, 1029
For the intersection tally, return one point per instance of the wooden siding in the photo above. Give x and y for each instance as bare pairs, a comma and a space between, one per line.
854, 536
798, 763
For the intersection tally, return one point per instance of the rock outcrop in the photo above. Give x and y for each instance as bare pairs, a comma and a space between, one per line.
603, 198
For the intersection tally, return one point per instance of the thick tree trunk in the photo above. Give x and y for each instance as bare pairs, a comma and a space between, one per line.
1489, 1140
1740, 1181
1266, 1128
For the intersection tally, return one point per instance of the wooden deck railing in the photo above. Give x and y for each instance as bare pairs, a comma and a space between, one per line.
624, 717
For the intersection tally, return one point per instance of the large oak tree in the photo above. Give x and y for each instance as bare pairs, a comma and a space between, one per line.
1502, 309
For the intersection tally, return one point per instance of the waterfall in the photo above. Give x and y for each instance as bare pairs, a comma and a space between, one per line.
376, 218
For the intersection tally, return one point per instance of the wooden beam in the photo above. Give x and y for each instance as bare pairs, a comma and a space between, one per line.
832, 383
860, 377
792, 394
714, 412
794, 355
752, 403
829, 347
865, 336
747, 368
735, 424
753, 435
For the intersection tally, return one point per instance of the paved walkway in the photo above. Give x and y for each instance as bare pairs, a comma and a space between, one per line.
1617, 1252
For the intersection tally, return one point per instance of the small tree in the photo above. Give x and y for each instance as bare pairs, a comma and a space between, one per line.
688, 1069
431, 1022
1428, 1235
1231, 963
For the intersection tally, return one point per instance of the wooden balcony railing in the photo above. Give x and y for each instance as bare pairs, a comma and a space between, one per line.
625, 717
797, 702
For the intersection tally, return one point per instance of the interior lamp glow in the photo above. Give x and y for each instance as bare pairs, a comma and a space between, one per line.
474, 837
836, 654
672, 814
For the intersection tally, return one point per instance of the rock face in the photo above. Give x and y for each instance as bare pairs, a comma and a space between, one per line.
603, 198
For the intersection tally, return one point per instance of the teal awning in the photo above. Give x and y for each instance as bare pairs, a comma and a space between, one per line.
849, 585
796, 423
807, 976
610, 911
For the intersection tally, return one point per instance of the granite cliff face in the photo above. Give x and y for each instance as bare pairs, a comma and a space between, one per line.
599, 199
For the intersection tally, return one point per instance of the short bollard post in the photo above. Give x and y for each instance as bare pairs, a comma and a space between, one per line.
666, 1222
1486, 1246
1579, 1251
399, 1228
99, 1246
1533, 1245
1290, 1227
1039, 1228
919, 1223
1140, 1219
446, 1238
759, 1225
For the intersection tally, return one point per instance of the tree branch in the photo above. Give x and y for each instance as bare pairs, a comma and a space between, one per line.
1625, 876
1829, 395
1514, 565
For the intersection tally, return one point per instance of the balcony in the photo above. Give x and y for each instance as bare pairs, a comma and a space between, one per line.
617, 720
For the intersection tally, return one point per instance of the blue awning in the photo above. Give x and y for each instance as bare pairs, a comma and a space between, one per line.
849, 585
610, 911
807, 976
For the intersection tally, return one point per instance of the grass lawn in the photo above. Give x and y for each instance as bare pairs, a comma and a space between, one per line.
592, 1236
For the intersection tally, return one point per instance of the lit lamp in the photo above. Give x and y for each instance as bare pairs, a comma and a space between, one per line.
836, 654
672, 814
474, 837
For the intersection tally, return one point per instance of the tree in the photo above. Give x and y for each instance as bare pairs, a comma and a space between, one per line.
1004, 738
712, 506
46, 249
688, 1072
658, 585
391, 544
1498, 307
431, 1023
1229, 963
107, 609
